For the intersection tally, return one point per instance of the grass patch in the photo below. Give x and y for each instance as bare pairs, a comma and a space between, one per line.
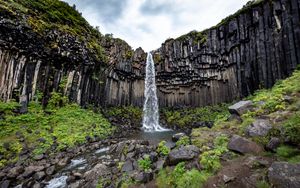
180, 177
288, 153
47, 132
125, 114
186, 117
145, 164
162, 149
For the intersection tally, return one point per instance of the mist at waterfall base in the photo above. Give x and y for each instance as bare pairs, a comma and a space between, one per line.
150, 110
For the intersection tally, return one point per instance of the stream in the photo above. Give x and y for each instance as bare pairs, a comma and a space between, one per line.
87, 161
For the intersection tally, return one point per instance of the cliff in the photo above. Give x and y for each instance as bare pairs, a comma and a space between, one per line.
246, 51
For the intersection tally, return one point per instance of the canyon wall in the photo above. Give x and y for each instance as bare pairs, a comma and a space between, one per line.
250, 50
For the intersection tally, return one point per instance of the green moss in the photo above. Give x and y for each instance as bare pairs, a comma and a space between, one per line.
263, 184
66, 126
125, 113
145, 164
181, 178
288, 153
195, 36
210, 160
44, 15
187, 117
292, 128
183, 141
162, 149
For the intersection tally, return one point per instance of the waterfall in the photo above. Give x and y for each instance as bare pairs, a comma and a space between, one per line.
150, 110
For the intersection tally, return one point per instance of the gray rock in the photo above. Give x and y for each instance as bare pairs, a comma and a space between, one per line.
273, 144
24, 104
94, 174
4, 184
143, 177
285, 175
241, 107
177, 136
184, 153
127, 166
227, 179
50, 170
259, 127
37, 185
30, 170
39, 157
243, 145
39, 175
14, 172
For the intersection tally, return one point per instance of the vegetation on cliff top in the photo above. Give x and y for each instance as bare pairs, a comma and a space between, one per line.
201, 36
45, 15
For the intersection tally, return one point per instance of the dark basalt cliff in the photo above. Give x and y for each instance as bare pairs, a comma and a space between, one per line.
251, 49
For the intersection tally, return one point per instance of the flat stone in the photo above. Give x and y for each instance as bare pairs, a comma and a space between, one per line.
259, 127
240, 107
184, 153
243, 145
177, 136
127, 166
283, 174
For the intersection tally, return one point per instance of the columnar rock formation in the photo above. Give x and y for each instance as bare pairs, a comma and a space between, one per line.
250, 50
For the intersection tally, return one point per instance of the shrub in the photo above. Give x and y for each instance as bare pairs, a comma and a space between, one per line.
292, 128
162, 149
262, 184
210, 160
145, 164
183, 141
181, 178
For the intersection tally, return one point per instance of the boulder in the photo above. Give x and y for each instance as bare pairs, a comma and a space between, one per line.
259, 127
98, 170
285, 175
143, 177
273, 144
14, 172
39, 175
127, 166
30, 170
177, 136
243, 145
241, 107
50, 170
4, 184
184, 153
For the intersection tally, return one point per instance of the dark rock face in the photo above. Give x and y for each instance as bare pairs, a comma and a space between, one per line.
252, 50
283, 174
243, 145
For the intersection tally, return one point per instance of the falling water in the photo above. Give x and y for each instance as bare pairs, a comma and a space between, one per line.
151, 115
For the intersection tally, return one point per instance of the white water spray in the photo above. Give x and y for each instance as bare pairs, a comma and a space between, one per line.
150, 110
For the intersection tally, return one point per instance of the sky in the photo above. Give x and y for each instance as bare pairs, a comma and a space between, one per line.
148, 23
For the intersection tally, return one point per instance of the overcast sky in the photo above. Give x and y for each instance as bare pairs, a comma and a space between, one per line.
148, 23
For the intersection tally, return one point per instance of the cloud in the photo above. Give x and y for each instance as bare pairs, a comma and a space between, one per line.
148, 23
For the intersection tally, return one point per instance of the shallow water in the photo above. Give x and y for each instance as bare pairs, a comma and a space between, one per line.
153, 137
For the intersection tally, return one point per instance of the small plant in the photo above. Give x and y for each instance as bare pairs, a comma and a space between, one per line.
292, 128
263, 184
162, 149
181, 178
183, 141
145, 164
210, 160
